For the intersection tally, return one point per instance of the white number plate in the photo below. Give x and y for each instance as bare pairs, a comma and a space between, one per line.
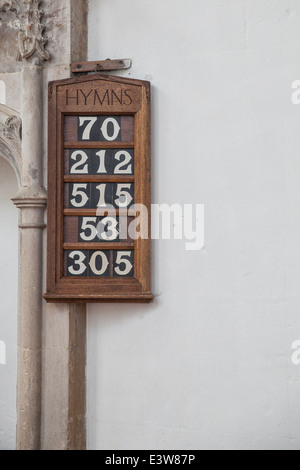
105, 263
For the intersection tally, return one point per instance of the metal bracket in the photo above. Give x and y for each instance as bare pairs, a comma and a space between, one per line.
101, 66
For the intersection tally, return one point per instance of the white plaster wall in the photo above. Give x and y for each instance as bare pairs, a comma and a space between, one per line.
208, 364
8, 305
10, 88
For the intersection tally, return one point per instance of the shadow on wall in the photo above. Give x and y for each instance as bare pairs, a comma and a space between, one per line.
8, 309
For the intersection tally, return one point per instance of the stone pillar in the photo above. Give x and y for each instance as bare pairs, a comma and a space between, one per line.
31, 224
51, 366
64, 397
64, 325
32, 126
31, 200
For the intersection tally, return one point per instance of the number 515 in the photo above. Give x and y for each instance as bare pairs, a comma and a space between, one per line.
84, 195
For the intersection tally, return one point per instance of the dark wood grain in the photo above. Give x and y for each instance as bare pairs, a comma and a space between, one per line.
127, 128
70, 133
66, 162
71, 229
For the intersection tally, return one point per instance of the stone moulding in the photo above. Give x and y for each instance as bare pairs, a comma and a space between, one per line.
9, 5
10, 139
25, 17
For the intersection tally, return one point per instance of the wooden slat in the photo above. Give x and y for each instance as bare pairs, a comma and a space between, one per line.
99, 246
93, 212
98, 145
107, 65
98, 178
98, 298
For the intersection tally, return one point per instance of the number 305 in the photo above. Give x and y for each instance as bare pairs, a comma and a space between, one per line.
88, 263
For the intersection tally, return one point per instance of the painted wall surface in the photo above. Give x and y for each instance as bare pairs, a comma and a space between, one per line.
8, 306
208, 364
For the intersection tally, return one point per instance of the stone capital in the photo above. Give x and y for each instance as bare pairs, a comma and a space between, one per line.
32, 202
25, 17
31, 198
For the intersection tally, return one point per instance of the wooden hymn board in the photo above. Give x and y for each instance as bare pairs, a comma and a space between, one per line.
98, 172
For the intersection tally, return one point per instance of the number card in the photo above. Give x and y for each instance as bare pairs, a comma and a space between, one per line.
98, 180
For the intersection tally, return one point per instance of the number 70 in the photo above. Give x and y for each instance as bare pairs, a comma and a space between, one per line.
91, 121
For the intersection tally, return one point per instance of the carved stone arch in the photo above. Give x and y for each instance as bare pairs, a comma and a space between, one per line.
10, 139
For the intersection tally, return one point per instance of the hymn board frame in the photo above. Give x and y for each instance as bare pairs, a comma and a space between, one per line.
114, 96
